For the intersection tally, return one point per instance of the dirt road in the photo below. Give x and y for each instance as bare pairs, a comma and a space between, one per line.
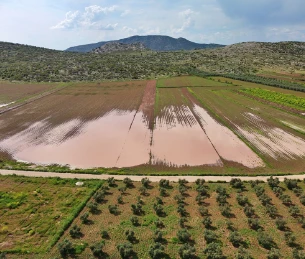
138, 178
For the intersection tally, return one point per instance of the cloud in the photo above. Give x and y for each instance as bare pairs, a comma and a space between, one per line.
91, 18
265, 12
186, 16
126, 12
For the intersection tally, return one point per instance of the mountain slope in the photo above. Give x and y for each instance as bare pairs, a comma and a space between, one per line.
117, 46
153, 42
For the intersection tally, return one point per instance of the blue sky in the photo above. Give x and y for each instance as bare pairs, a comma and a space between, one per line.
59, 24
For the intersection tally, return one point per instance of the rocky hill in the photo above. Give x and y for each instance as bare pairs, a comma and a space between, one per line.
117, 47
153, 42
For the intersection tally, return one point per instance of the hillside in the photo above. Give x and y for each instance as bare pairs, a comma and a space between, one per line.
28, 63
153, 42
117, 46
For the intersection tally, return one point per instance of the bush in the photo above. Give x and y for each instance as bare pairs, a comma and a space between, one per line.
93, 207
297, 254
158, 236
242, 200
277, 191
226, 211
290, 239
273, 182
249, 211
159, 223
164, 184
183, 235
113, 209
242, 254
128, 182
274, 254
280, 224
104, 234
209, 236
134, 220
130, 235
271, 210
97, 249
187, 251
235, 238
75, 232
237, 183
213, 251
125, 250
145, 182
203, 211
254, 223
294, 211
265, 240
207, 222
84, 218
291, 183
156, 251
65, 248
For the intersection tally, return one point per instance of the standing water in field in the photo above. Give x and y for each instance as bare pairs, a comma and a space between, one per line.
178, 140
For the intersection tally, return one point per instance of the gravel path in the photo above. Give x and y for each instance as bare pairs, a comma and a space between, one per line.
138, 178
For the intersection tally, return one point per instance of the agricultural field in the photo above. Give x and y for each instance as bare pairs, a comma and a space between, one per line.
34, 212
126, 219
12, 93
177, 125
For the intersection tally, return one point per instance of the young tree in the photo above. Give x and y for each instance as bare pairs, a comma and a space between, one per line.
130, 235
97, 249
65, 248
120, 199
113, 209
242, 200
111, 182
183, 235
159, 223
242, 254
274, 254
125, 250
93, 207
85, 218
281, 224
209, 236
75, 232
134, 220
187, 251
156, 251
290, 239
207, 222
235, 238
128, 182
145, 182
265, 240
254, 223
273, 182
213, 251
104, 234
158, 236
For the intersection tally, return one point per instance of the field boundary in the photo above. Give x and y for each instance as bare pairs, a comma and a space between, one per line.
153, 178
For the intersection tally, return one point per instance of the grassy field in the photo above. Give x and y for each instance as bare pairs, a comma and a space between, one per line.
223, 219
34, 212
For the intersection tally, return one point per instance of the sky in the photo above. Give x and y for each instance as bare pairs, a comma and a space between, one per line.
59, 24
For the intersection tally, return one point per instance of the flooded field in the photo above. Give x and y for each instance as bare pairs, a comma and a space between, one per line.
128, 124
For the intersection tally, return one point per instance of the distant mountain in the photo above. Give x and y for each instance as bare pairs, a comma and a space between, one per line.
153, 42
117, 46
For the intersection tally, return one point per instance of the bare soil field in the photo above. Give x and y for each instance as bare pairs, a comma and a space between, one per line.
10, 93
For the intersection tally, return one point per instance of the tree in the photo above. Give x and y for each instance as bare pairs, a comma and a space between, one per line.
158, 236
65, 248
113, 209
130, 235
297, 254
242, 254
273, 182
163, 192
265, 199
122, 189
164, 184
93, 207
302, 199
213, 251
120, 199
182, 222
290, 239
285, 199
136, 209
159, 210
265, 240
291, 183
242, 200
237, 183
128, 182
75, 232
280, 224
235, 238
125, 250
134, 220
249, 211
200, 181
99, 196
156, 251
203, 211
226, 211
104, 234
294, 211
145, 182
183, 235
111, 181
207, 222
2, 255
209, 236
85, 218
187, 251
159, 201
271, 210
274, 254
277, 191
254, 223
97, 249
159, 223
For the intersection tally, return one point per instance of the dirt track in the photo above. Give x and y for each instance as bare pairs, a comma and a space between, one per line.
138, 178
